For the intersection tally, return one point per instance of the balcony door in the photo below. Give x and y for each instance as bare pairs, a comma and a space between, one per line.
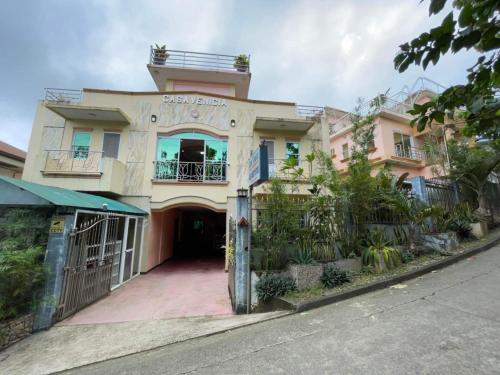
191, 157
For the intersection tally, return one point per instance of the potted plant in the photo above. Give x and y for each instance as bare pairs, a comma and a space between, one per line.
241, 63
160, 54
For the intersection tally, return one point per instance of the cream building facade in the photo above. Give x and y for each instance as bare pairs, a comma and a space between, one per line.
180, 153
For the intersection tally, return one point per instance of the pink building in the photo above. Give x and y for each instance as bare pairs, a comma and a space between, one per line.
396, 143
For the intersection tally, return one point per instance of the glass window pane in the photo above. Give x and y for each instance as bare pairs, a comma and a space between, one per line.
292, 150
81, 144
406, 141
110, 145
216, 150
397, 139
168, 149
130, 234
137, 250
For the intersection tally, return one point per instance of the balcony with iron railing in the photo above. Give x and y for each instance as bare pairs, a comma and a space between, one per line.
309, 111
85, 170
409, 153
197, 60
63, 96
187, 171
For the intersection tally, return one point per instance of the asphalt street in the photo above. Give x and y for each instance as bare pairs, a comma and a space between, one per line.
445, 322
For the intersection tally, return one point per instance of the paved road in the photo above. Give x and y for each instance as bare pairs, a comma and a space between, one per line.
446, 322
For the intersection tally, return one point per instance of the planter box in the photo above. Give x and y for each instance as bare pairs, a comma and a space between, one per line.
440, 241
305, 275
479, 230
15, 330
350, 264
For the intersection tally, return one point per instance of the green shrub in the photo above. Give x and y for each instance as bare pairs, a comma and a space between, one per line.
378, 254
333, 276
301, 257
21, 276
274, 285
407, 256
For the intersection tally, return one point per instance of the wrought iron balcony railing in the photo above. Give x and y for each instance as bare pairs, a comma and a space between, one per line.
309, 111
196, 60
63, 96
79, 160
208, 171
409, 152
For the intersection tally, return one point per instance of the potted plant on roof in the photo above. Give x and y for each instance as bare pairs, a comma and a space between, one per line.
241, 63
160, 54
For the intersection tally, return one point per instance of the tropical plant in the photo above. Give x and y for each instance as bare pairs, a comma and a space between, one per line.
274, 285
333, 276
471, 166
241, 62
412, 211
478, 101
21, 276
378, 254
277, 222
301, 257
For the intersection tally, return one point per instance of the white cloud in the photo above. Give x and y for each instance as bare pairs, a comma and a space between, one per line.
312, 52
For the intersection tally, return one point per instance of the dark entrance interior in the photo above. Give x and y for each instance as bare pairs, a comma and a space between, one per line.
200, 233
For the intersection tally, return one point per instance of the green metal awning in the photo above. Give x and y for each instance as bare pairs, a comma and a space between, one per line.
51, 195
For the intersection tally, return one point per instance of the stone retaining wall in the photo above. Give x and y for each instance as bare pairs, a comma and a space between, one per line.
15, 330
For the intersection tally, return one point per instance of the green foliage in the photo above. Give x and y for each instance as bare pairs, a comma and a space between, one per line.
378, 255
21, 274
241, 62
278, 223
407, 256
23, 228
472, 165
458, 220
476, 103
333, 276
23, 236
274, 285
302, 257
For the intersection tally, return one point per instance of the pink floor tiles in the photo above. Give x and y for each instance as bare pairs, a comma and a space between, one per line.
178, 288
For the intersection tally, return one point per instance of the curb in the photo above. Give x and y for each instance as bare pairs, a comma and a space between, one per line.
327, 300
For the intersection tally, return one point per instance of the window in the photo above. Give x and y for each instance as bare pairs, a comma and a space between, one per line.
402, 144
81, 144
270, 157
292, 151
345, 151
191, 156
111, 145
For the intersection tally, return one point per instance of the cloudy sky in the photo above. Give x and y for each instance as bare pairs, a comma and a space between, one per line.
310, 52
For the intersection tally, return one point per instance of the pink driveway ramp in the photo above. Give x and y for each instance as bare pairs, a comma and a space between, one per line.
178, 288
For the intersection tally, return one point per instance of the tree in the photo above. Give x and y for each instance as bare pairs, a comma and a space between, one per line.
477, 103
472, 166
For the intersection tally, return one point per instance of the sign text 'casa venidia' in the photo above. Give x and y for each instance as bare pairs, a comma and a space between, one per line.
199, 100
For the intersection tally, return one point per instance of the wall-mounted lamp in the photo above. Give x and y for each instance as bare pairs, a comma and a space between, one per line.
242, 193
233, 123
153, 118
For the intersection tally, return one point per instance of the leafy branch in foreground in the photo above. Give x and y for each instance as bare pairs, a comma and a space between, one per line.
477, 103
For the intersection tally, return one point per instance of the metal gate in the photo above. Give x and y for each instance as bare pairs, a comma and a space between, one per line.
87, 274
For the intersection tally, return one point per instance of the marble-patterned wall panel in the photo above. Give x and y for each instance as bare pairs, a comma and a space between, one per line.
142, 117
134, 178
51, 138
137, 146
173, 114
244, 121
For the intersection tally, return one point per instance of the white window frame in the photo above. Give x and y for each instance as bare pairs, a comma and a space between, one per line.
119, 142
